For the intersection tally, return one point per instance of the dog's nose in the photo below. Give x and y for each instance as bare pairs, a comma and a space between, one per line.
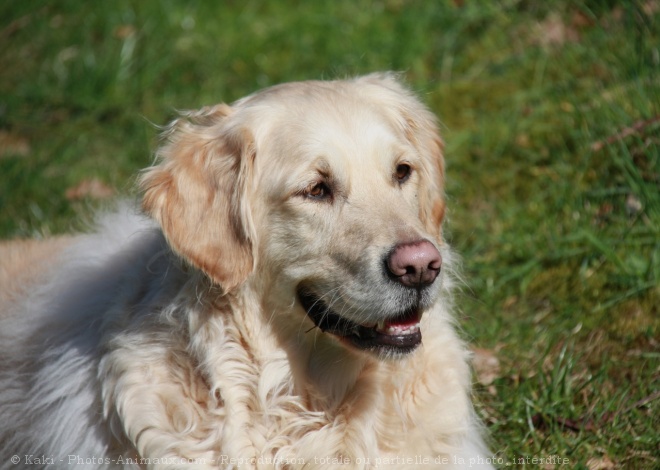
415, 264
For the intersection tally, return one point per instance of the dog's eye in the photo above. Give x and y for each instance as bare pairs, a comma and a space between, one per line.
402, 173
318, 191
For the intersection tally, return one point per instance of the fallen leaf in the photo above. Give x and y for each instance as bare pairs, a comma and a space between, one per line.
124, 31
486, 365
522, 140
651, 7
92, 188
600, 463
580, 20
510, 302
554, 32
566, 107
13, 145
633, 205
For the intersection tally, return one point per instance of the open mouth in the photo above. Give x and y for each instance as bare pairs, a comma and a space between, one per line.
398, 334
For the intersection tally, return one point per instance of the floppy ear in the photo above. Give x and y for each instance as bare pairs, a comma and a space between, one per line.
431, 189
197, 192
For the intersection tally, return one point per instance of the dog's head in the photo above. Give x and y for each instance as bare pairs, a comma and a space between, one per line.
328, 194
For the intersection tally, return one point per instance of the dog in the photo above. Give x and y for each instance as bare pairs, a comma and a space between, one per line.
282, 300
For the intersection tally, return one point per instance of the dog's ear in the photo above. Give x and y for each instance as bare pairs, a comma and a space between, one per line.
431, 186
197, 192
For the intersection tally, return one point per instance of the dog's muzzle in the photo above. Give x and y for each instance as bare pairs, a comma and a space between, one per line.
397, 334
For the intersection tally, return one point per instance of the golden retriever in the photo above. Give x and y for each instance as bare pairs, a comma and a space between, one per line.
286, 304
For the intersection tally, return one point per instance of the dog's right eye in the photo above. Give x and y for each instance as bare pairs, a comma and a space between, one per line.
319, 191
402, 173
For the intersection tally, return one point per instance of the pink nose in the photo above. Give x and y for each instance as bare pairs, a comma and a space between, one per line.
415, 264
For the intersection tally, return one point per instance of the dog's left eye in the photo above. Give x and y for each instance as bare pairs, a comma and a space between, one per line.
402, 172
318, 191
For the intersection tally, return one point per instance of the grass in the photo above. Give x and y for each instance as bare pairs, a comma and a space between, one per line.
550, 111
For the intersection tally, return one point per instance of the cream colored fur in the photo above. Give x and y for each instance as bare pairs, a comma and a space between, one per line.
180, 342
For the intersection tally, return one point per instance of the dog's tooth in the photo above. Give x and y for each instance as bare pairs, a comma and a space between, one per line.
404, 330
396, 330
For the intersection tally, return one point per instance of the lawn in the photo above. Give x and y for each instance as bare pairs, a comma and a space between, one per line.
551, 114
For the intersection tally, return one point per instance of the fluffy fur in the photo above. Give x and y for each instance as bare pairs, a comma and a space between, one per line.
179, 341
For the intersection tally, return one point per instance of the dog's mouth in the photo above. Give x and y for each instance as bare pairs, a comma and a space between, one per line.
399, 334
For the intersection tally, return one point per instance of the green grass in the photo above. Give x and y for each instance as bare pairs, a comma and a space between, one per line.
550, 112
